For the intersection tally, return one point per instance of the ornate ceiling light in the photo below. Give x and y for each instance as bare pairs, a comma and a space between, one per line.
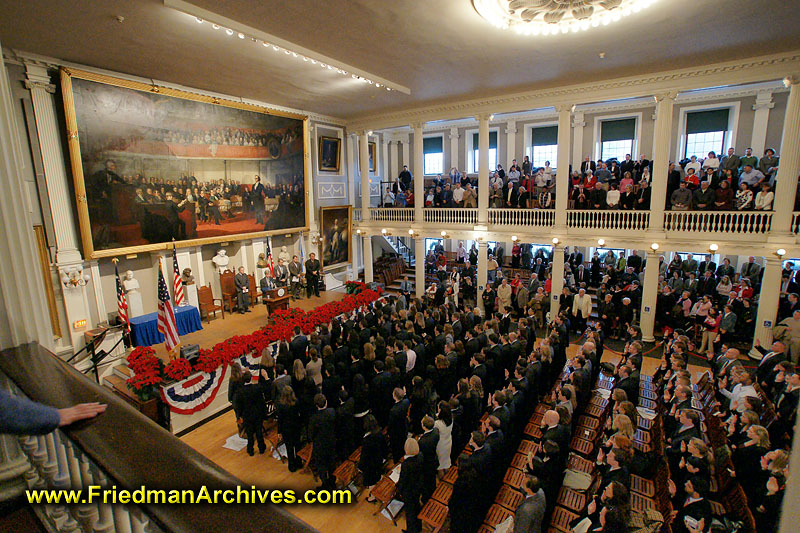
548, 17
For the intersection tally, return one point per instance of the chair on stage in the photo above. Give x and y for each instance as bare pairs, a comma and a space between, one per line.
228, 285
208, 305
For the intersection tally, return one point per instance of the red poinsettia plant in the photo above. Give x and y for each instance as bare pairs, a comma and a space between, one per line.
150, 371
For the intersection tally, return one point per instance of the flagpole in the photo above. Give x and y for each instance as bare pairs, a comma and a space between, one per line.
126, 329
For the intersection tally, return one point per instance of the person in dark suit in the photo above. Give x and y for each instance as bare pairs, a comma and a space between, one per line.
298, 345
312, 275
695, 509
765, 372
374, 450
266, 284
628, 384
430, 460
465, 501
249, 403
529, 514
322, 434
242, 282
257, 195
409, 486
481, 458
281, 274
398, 424
555, 432
290, 425
588, 164
345, 424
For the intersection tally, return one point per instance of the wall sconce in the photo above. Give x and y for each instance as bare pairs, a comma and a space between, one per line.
513, 238
555, 240
358, 232
445, 235
386, 233
780, 252
315, 239
74, 278
411, 232
714, 247
601, 242
654, 246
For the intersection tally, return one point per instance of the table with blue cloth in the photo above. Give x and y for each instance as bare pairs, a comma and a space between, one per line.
144, 329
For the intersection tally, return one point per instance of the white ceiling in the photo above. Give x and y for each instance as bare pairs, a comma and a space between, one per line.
440, 49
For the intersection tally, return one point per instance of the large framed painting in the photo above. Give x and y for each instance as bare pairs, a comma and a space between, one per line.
372, 156
336, 228
329, 154
154, 165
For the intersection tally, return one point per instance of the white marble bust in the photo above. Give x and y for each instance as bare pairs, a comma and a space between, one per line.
284, 255
132, 295
221, 261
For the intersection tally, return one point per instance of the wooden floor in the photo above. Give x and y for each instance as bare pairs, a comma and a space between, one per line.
220, 329
268, 472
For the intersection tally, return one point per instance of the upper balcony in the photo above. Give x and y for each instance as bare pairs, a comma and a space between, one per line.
701, 225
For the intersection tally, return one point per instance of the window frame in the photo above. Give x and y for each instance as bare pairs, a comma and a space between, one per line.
636, 141
424, 163
729, 138
471, 149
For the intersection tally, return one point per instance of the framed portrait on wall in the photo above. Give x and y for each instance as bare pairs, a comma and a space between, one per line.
329, 154
153, 165
372, 156
336, 226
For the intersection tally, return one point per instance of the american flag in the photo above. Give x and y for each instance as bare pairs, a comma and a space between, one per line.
122, 302
166, 315
269, 257
176, 280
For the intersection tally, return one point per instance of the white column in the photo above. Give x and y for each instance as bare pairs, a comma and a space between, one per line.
385, 159
558, 279
38, 82
100, 304
26, 316
454, 150
419, 174
663, 138
419, 266
363, 166
578, 123
395, 167
483, 170
562, 166
511, 142
647, 313
366, 243
786, 179
483, 269
199, 274
406, 152
760, 120
768, 300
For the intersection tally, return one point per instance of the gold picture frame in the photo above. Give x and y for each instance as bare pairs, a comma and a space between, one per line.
67, 75
373, 155
333, 251
330, 154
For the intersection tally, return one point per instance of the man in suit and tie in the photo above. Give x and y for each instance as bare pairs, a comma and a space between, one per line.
266, 284
398, 423
312, 275
627, 384
249, 403
298, 345
257, 196
430, 460
409, 486
322, 433
765, 372
242, 282
281, 274
588, 164
295, 271
529, 514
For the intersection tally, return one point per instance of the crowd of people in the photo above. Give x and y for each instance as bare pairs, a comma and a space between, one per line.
728, 183
427, 370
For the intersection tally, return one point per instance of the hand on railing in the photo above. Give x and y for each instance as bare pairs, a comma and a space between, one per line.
82, 411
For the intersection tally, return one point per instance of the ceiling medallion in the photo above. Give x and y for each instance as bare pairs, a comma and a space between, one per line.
549, 17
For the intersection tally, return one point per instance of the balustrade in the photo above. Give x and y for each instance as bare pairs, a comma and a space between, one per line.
608, 220
522, 217
443, 215
356, 214
392, 214
741, 222
795, 222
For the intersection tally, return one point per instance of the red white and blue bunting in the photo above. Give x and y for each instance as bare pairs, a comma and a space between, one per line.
194, 393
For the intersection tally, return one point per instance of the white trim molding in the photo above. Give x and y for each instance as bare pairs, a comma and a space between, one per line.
730, 135
596, 144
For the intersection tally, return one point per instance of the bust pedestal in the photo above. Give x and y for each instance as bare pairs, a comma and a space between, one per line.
190, 294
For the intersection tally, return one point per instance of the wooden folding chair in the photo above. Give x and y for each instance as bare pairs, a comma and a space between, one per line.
345, 474
305, 455
451, 475
561, 520
572, 499
433, 515
581, 446
520, 461
443, 492
581, 464
514, 478
528, 446
496, 515
509, 498
384, 491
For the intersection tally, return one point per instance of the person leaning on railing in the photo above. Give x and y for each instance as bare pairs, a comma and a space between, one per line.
19, 416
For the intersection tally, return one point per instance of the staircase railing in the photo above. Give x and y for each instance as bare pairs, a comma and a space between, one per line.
123, 449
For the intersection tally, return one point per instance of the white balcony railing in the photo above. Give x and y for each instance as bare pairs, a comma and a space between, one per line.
392, 214
742, 222
357, 214
444, 215
796, 222
608, 220
522, 217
